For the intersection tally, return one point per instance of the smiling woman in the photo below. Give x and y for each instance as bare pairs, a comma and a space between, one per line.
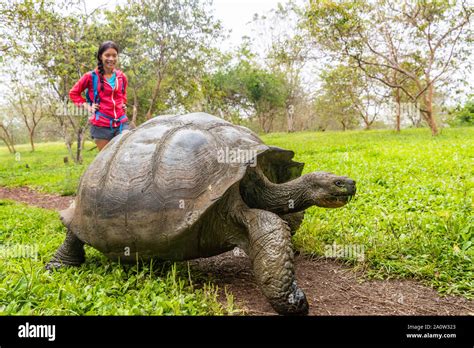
105, 89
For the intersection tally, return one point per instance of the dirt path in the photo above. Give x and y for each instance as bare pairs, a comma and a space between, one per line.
331, 288
29, 196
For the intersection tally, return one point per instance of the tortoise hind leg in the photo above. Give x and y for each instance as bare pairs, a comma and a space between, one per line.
271, 253
70, 253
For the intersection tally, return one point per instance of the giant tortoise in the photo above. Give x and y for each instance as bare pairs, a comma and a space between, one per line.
194, 185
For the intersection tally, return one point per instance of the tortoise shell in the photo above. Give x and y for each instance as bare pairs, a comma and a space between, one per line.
149, 186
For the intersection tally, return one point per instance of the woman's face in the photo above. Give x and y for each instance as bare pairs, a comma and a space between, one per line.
109, 58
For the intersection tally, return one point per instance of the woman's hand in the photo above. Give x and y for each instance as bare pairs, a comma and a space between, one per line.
91, 108
124, 107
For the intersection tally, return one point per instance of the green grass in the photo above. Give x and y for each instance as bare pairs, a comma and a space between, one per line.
412, 215
43, 170
100, 287
413, 209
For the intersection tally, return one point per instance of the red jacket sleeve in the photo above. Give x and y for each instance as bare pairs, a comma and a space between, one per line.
79, 87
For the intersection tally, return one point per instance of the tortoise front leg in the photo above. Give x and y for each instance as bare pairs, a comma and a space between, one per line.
271, 253
70, 253
294, 220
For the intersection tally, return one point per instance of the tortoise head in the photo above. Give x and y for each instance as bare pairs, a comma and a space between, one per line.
328, 190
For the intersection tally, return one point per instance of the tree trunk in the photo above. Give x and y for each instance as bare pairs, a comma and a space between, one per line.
432, 123
269, 127
135, 108
8, 146
367, 122
265, 123
84, 137
429, 115
10, 149
80, 136
32, 134
291, 121
8, 139
68, 141
261, 120
154, 97
265, 126
398, 112
290, 116
269, 123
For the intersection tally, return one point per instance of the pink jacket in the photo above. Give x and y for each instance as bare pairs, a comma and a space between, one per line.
111, 100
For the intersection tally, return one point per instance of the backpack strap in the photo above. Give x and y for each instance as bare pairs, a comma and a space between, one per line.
95, 83
112, 121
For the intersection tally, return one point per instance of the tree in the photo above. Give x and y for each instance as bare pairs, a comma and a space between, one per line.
221, 91
334, 100
268, 94
6, 134
421, 41
28, 103
243, 88
286, 50
352, 84
60, 48
175, 37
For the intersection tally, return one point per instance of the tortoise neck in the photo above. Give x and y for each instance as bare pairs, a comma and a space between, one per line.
258, 192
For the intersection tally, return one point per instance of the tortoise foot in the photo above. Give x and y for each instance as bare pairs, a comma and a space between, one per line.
55, 264
294, 304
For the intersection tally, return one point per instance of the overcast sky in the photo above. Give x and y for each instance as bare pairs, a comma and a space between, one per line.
234, 14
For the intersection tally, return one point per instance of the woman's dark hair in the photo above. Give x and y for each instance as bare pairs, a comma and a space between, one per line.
104, 47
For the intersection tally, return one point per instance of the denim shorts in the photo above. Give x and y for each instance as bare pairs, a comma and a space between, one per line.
105, 132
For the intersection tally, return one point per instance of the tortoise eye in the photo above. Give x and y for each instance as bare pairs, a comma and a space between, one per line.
339, 183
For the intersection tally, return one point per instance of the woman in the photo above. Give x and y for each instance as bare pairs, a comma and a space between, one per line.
106, 93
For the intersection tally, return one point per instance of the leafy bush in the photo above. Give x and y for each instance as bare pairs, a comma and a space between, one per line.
463, 116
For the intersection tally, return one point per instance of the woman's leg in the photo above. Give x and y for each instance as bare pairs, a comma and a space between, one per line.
101, 143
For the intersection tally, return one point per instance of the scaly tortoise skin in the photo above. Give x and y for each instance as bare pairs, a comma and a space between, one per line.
165, 190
